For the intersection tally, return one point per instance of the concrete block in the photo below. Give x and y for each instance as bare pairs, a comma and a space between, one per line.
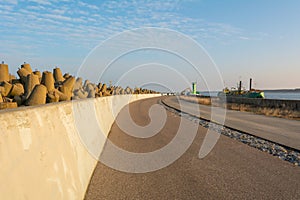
137, 90
69, 83
96, 89
91, 94
81, 94
99, 86
23, 73
2, 90
105, 94
67, 75
17, 90
37, 96
128, 90
27, 67
67, 87
19, 100
39, 74
78, 83
58, 77
48, 80
4, 74
103, 88
67, 92
89, 87
12, 78
117, 90
86, 83
62, 96
31, 81
7, 88
52, 96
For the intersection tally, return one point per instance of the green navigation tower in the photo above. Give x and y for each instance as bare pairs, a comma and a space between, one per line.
194, 89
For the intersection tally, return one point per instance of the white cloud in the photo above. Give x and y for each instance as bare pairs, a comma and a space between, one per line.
84, 24
58, 11
57, 17
36, 8
42, 2
6, 7
244, 38
90, 6
10, 1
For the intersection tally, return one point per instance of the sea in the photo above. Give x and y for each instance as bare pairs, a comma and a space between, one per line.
287, 95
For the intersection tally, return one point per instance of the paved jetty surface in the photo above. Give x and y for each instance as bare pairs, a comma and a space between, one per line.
232, 170
283, 131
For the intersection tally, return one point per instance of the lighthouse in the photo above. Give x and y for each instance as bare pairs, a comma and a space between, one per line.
194, 89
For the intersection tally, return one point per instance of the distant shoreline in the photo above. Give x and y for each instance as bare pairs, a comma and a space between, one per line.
283, 90
266, 90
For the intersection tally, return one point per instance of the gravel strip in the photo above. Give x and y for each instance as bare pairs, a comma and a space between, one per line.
282, 152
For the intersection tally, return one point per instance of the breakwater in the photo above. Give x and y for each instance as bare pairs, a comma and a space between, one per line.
37, 88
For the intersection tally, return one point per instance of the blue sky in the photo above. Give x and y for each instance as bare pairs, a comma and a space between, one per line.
257, 39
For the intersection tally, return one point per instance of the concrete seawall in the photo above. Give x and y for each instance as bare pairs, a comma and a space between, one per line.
41, 153
269, 103
270, 107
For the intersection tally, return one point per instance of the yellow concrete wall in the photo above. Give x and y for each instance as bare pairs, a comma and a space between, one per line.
42, 156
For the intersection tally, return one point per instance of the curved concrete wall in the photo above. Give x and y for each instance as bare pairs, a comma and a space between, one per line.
42, 155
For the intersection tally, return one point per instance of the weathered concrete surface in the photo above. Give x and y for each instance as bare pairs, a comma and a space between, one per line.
232, 170
283, 131
41, 153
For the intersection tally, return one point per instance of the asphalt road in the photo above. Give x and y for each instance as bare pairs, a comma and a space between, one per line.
232, 170
283, 131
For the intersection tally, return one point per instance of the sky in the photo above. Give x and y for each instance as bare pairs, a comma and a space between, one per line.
256, 39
